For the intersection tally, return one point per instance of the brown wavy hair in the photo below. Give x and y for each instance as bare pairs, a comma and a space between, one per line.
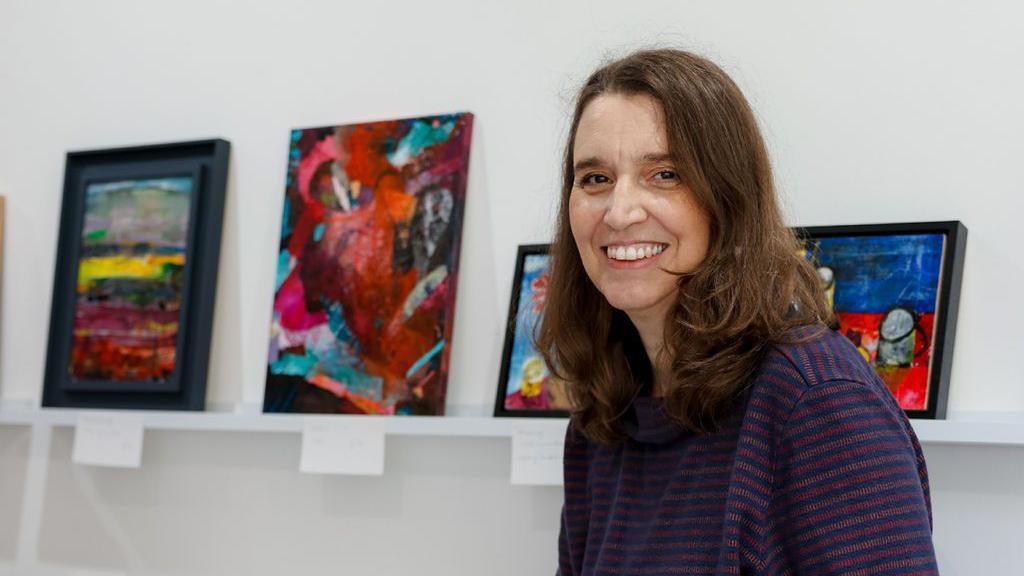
751, 290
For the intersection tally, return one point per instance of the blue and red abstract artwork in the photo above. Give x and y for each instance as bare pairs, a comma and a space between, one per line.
884, 290
368, 266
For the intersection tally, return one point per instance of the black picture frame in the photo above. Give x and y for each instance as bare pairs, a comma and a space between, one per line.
947, 301
500, 408
204, 163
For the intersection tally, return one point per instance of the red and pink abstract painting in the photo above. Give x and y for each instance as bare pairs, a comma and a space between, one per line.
367, 267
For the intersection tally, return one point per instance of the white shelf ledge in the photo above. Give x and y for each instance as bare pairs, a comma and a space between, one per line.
466, 426
44, 569
969, 432
949, 432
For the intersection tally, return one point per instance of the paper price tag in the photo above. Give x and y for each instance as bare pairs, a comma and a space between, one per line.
333, 445
537, 454
103, 439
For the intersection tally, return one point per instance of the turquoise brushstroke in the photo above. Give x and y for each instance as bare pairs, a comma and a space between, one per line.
421, 136
284, 268
286, 227
294, 365
318, 232
336, 363
424, 359
336, 321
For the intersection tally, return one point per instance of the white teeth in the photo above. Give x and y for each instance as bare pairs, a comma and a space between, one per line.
634, 252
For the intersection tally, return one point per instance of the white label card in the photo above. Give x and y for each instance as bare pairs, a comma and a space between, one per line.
537, 453
105, 439
343, 445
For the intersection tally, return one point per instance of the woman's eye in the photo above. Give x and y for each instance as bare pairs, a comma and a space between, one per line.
666, 175
594, 179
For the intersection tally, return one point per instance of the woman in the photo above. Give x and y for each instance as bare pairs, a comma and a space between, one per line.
719, 425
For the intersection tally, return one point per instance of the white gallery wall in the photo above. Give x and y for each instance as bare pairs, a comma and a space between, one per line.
874, 111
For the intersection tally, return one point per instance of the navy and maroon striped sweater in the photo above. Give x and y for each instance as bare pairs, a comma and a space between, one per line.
817, 473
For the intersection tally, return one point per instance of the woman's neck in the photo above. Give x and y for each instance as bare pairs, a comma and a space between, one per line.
652, 333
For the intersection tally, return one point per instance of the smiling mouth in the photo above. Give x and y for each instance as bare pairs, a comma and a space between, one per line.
630, 252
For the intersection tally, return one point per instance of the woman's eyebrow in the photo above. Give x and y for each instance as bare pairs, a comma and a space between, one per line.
654, 158
595, 162
591, 162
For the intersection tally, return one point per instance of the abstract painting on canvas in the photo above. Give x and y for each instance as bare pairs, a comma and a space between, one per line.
367, 267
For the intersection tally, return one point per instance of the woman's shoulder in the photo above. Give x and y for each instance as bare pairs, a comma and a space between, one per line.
809, 357
815, 380
819, 354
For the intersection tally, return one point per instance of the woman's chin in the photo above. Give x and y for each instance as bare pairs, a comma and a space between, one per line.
638, 304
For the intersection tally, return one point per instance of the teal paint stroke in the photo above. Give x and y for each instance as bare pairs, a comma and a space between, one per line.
424, 359
421, 136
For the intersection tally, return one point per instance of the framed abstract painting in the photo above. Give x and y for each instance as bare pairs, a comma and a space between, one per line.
525, 386
367, 267
136, 276
895, 290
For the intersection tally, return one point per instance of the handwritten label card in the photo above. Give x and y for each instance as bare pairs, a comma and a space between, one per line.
104, 439
537, 453
340, 445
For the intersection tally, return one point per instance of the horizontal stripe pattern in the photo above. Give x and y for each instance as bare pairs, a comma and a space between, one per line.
818, 472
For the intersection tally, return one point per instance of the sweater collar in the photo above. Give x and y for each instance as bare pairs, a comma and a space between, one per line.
647, 422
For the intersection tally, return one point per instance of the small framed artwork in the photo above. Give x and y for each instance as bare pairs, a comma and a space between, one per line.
895, 290
526, 388
367, 267
136, 276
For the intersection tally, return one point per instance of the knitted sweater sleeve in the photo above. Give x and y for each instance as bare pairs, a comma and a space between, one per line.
850, 487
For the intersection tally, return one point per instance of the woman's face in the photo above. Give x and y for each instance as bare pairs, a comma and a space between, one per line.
633, 221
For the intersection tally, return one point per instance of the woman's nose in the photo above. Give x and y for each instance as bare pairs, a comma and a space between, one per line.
625, 206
